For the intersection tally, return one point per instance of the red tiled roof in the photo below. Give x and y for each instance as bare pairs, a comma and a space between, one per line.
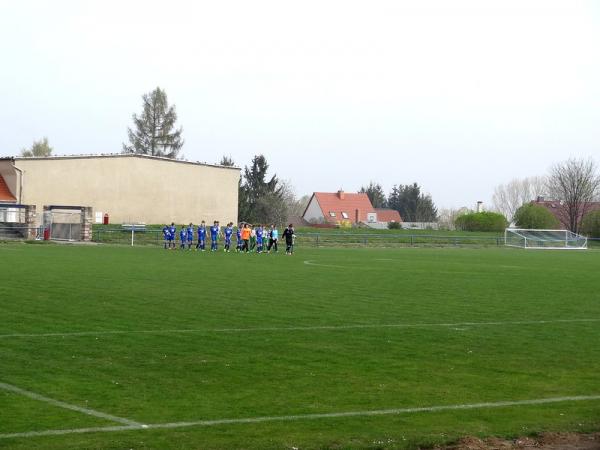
5, 194
559, 210
388, 215
344, 202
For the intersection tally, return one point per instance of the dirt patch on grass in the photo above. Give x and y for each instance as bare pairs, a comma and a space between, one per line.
545, 441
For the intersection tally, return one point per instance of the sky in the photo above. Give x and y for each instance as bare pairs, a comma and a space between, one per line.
458, 96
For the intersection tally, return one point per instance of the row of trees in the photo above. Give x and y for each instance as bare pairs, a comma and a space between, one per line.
408, 199
264, 199
574, 184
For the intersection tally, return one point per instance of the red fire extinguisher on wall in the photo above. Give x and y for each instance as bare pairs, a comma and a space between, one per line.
105, 219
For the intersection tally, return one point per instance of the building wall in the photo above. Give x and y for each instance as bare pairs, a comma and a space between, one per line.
313, 211
133, 188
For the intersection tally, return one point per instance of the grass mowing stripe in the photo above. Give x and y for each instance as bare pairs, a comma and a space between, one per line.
307, 328
381, 412
60, 404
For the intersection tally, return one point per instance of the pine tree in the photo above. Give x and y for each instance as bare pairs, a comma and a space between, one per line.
260, 199
376, 195
154, 130
412, 205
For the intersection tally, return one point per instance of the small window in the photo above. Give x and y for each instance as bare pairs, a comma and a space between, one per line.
344, 215
331, 214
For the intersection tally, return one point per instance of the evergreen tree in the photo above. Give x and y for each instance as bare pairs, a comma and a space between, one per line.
260, 199
38, 149
227, 161
154, 130
376, 195
412, 204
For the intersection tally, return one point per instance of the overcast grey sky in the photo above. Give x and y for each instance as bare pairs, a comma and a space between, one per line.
458, 96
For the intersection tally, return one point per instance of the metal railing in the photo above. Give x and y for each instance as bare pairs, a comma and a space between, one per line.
20, 232
394, 240
128, 236
155, 237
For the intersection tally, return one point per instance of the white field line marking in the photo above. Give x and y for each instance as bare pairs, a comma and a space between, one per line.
312, 263
51, 401
306, 328
297, 417
445, 272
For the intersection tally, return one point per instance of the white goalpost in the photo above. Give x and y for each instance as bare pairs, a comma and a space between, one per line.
544, 239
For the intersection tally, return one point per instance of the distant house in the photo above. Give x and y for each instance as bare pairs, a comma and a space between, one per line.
559, 210
388, 215
343, 209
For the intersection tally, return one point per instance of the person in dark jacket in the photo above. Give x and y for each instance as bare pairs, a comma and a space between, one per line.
289, 236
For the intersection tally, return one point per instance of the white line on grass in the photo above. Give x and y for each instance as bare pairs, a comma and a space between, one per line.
299, 328
51, 401
297, 417
312, 263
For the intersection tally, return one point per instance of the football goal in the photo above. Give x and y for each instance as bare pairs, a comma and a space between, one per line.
544, 239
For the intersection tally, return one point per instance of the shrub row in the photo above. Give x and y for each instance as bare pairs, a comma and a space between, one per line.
481, 221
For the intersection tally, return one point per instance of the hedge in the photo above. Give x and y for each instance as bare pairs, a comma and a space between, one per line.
535, 216
590, 225
481, 221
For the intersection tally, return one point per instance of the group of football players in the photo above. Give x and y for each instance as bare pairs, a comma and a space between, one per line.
249, 238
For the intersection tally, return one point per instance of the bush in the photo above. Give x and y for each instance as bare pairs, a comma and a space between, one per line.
590, 225
394, 225
534, 216
482, 221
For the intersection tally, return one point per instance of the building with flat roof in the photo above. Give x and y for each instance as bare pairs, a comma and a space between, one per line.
130, 188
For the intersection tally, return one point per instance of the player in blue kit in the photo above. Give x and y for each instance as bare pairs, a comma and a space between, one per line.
238, 238
172, 233
182, 237
201, 236
259, 239
166, 233
190, 235
214, 236
228, 233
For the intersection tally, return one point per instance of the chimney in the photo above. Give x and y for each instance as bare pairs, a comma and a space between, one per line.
340, 194
357, 217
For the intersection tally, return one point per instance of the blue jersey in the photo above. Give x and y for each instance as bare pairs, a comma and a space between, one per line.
228, 233
238, 234
190, 233
259, 234
202, 233
274, 233
172, 232
182, 234
214, 232
165, 231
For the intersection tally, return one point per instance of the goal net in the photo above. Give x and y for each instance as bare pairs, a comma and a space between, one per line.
544, 239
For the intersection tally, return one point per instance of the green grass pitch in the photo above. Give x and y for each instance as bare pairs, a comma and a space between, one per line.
170, 339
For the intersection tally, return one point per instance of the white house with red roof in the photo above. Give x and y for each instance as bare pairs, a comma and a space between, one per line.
339, 208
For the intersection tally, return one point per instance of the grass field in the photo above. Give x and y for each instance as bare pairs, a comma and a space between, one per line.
119, 347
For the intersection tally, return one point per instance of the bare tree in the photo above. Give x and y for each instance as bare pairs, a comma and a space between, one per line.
575, 183
448, 216
509, 197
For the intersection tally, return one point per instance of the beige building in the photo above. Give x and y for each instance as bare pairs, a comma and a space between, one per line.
129, 188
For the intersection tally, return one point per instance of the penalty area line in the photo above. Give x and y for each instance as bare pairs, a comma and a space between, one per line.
299, 417
64, 405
